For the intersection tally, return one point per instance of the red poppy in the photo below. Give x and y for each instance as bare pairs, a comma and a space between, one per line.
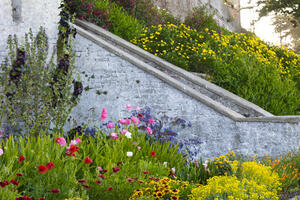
42, 169
19, 174
115, 170
74, 149
88, 160
21, 158
153, 154
50, 165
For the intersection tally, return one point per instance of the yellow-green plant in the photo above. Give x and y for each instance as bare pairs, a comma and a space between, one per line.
164, 188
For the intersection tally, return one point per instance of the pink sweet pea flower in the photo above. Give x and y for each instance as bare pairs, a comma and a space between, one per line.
138, 108
110, 125
135, 120
1, 152
127, 121
151, 121
149, 130
114, 135
61, 141
128, 106
122, 121
99, 168
139, 148
103, 114
78, 140
124, 131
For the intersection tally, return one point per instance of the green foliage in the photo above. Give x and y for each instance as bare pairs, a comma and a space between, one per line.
200, 19
104, 151
107, 15
286, 7
240, 63
35, 91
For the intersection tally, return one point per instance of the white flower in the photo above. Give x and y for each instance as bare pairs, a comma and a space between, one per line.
1, 152
73, 142
165, 164
173, 169
129, 154
128, 134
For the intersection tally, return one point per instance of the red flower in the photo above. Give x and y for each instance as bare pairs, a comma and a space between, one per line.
42, 198
50, 165
4, 183
104, 170
24, 198
98, 182
140, 115
86, 186
81, 181
130, 180
115, 170
54, 191
88, 160
42, 169
19, 174
74, 149
21, 158
146, 172
13, 181
109, 189
153, 154
101, 176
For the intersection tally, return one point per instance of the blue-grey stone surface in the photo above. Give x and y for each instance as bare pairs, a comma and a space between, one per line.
127, 84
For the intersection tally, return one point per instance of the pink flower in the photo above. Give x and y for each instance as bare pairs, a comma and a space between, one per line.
151, 121
109, 189
122, 121
1, 132
128, 106
73, 142
100, 168
127, 121
138, 108
139, 148
98, 182
78, 140
135, 120
114, 135
101, 176
124, 131
61, 141
146, 172
1, 152
115, 170
130, 180
103, 114
110, 125
149, 130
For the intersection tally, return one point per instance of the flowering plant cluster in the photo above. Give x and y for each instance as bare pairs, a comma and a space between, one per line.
36, 92
233, 61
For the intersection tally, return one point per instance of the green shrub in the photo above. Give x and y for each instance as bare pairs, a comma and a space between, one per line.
35, 92
239, 63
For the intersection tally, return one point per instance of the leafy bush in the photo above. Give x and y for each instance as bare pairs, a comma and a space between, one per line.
239, 63
107, 15
147, 12
254, 181
36, 93
199, 18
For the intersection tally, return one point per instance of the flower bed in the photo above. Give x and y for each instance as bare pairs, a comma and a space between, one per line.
123, 161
